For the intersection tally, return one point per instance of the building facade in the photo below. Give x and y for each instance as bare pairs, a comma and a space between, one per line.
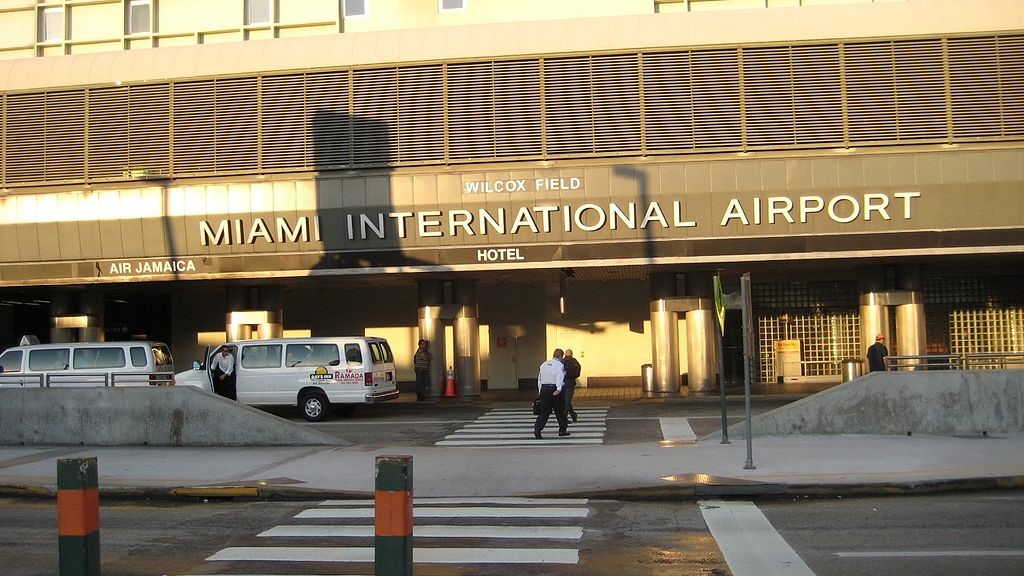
502, 185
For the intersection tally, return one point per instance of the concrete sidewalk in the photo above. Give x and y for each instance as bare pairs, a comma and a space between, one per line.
785, 466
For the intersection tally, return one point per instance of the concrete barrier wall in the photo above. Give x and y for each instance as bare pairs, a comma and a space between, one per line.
935, 402
155, 416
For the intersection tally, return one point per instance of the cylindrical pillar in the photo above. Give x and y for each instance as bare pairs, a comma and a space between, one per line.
78, 516
701, 355
664, 336
430, 298
60, 307
77, 316
874, 319
701, 336
93, 308
393, 505
253, 313
466, 336
665, 349
911, 339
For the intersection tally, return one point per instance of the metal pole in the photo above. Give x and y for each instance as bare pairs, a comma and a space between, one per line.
393, 516
721, 386
78, 517
747, 346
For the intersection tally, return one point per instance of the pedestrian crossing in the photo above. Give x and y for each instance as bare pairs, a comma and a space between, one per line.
513, 428
338, 535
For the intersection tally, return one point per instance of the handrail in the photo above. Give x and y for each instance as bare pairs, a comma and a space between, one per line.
969, 361
105, 379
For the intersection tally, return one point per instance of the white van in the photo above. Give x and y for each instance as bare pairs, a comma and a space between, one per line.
138, 363
311, 373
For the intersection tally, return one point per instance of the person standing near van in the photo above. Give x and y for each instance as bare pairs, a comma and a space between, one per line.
572, 372
421, 364
550, 381
877, 353
223, 366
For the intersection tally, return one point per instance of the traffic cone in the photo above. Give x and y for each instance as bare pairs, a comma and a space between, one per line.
449, 384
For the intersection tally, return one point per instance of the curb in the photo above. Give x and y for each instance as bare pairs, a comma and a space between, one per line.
679, 491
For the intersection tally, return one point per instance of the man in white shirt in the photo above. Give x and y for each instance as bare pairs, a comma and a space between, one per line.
223, 369
549, 385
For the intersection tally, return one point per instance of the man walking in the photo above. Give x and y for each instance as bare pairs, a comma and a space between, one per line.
877, 353
572, 372
550, 381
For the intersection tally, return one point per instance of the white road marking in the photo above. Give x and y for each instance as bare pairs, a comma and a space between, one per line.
548, 441
677, 430
749, 543
932, 553
452, 512
498, 501
419, 555
439, 531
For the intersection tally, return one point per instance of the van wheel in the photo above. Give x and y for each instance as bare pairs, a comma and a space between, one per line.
314, 406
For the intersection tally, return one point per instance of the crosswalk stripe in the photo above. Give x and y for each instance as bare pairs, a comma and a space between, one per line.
419, 555
503, 435
578, 410
498, 501
453, 512
677, 430
750, 544
440, 531
534, 443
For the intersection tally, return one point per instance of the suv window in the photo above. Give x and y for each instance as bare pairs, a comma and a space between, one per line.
93, 358
48, 359
11, 361
261, 356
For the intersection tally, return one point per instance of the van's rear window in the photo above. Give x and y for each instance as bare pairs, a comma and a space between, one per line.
162, 357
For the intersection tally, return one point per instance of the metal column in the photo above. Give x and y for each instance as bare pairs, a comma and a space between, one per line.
430, 299
466, 335
253, 313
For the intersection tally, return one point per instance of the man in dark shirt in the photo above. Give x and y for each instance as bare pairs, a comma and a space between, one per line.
572, 372
877, 353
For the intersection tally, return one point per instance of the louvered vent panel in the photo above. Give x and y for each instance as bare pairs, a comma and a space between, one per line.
668, 102
25, 124
818, 95
616, 83
420, 114
568, 106
716, 98
375, 98
3, 140
471, 111
517, 109
237, 124
1011, 80
283, 121
108, 133
974, 89
149, 122
870, 92
768, 97
65, 136
194, 127
328, 121
920, 90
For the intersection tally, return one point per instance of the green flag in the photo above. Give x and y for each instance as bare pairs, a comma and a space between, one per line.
719, 303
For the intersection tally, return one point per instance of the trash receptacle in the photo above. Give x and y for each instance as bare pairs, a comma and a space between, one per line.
647, 379
851, 368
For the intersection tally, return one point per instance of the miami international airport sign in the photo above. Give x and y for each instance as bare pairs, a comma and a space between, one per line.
728, 210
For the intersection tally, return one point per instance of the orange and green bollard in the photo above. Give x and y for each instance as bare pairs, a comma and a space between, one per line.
393, 516
78, 517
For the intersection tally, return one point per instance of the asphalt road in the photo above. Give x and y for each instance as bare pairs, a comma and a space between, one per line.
973, 534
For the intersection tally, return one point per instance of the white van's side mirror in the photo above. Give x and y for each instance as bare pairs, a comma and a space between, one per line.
195, 365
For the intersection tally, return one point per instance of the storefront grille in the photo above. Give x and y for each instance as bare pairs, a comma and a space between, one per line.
986, 332
933, 90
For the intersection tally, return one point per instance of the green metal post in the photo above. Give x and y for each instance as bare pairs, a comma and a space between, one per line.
78, 517
393, 516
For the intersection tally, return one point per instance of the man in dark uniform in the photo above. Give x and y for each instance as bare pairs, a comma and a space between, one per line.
572, 372
550, 381
877, 353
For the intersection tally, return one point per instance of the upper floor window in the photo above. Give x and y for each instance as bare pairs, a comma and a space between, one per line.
357, 8
138, 16
51, 24
450, 5
258, 12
